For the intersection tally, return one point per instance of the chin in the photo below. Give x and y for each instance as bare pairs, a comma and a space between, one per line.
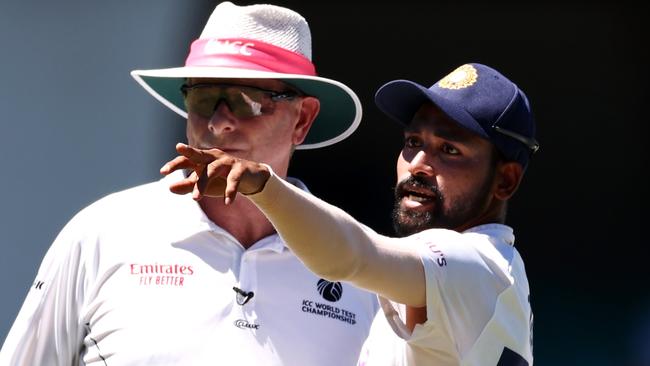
409, 222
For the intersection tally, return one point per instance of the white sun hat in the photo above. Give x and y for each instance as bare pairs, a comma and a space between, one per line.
262, 42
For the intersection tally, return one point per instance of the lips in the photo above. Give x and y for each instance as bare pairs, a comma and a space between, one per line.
227, 150
416, 192
416, 197
230, 151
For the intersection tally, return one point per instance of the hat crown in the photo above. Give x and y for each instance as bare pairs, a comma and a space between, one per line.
270, 24
494, 102
484, 93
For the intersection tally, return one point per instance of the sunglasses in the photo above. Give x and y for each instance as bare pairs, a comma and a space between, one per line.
531, 143
243, 101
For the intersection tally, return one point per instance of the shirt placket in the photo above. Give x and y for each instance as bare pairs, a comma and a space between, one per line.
245, 292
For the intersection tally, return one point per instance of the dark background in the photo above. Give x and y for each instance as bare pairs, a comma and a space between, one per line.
579, 215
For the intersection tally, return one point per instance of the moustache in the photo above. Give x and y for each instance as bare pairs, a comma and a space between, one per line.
414, 183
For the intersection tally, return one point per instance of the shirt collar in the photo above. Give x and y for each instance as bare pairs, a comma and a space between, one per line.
498, 231
184, 215
187, 218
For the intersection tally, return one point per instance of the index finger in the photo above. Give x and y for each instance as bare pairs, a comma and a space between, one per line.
198, 156
179, 162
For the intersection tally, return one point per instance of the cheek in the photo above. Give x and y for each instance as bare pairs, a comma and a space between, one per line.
268, 140
277, 134
189, 132
281, 130
402, 167
462, 184
194, 128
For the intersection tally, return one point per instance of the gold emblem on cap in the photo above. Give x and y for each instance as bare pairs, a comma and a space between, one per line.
462, 77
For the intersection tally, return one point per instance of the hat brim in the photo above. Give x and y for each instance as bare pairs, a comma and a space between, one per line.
401, 99
340, 108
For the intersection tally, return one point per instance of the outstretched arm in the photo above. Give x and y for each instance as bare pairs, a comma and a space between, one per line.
330, 242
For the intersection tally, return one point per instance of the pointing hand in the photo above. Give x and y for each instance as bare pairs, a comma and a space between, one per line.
215, 173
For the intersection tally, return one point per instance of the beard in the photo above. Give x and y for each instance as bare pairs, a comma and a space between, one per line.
446, 213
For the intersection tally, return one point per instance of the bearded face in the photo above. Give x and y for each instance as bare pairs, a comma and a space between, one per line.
447, 176
436, 208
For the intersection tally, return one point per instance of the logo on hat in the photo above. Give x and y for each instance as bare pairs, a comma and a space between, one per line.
216, 46
460, 78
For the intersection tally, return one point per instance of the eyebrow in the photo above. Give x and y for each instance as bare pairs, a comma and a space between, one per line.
455, 133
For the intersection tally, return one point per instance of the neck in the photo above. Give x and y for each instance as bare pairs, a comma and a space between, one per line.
495, 214
242, 219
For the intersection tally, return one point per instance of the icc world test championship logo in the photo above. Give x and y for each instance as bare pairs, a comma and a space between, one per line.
331, 291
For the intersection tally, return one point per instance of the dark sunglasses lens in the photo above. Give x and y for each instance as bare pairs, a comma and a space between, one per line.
243, 102
201, 102
248, 102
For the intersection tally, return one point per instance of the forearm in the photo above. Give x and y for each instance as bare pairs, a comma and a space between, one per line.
334, 245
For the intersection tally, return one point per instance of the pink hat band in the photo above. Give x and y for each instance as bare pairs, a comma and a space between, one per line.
247, 54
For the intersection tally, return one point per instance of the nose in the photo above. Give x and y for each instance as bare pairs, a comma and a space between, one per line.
421, 164
222, 120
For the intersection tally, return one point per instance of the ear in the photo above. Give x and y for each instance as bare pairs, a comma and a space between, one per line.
309, 109
509, 176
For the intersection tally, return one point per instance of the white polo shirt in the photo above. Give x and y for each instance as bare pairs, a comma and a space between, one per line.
143, 277
478, 309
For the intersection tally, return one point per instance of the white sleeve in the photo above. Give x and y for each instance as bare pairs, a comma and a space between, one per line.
463, 282
334, 245
47, 330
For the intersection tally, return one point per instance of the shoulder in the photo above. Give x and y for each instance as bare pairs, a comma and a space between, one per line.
483, 253
122, 202
148, 201
493, 242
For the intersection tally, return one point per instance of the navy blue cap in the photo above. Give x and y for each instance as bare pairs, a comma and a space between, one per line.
478, 98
